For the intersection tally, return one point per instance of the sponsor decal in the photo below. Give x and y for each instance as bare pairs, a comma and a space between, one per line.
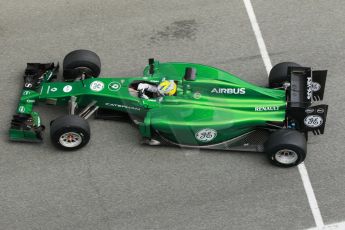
229, 90
320, 110
66, 89
206, 135
97, 86
309, 88
114, 86
28, 85
123, 106
54, 89
309, 110
315, 86
313, 121
197, 95
267, 108
21, 109
26, 93
156, 81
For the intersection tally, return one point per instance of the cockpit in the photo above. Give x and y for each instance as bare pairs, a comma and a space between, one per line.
149, 89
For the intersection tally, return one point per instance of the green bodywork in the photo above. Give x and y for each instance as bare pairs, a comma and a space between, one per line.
215, 100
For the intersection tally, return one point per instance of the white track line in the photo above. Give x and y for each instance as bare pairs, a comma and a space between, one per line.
311, 196
301, 167
335, 226
258, 35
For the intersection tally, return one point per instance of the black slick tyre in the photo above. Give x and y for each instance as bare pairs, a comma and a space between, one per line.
70, 132
80, 62
279, 74
286, 148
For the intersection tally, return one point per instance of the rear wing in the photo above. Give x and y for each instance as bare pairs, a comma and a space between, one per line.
305, 87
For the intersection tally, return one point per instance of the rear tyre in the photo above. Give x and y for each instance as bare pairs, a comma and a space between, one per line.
279, 74
69, 132
286, 148
80, 62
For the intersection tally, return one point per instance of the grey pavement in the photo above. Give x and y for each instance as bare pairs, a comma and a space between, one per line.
115, 182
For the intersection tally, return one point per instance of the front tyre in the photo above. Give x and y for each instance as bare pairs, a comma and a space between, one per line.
70, 132
286, 148
81, 62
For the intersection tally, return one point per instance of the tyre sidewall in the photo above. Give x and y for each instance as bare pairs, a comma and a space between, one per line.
94, 68
82, 58
279, 74
286, 139
57, 134
299, 151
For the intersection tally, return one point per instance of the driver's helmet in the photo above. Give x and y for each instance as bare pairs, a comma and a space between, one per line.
167, 88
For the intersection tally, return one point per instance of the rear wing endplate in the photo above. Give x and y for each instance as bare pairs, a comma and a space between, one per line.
315, 119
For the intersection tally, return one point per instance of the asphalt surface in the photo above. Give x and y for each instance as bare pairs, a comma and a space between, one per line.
115, 182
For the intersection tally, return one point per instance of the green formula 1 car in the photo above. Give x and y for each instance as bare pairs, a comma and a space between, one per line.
211, 109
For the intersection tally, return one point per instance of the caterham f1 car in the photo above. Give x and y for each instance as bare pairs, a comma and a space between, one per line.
211, 109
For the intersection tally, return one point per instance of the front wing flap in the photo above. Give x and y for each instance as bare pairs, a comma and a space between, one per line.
26, 124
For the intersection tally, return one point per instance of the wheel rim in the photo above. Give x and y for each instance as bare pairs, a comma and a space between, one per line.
70, 139
286, 156
87, 71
